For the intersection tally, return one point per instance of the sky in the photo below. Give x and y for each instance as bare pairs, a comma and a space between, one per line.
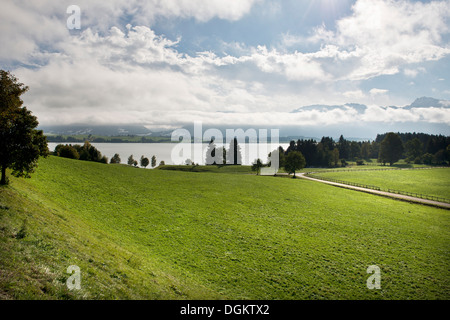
165, 64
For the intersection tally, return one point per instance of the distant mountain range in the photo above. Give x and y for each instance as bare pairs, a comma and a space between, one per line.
424, 102
359, 131
323, 108
102, 130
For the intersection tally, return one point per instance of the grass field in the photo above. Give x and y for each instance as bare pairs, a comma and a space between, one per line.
212, 169
433, 182
156, 234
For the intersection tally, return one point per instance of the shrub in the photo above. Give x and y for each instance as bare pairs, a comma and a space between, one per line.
428, 158
67, 151
418, 160
115, 158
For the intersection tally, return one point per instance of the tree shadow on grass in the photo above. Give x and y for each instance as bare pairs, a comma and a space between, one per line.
402, 165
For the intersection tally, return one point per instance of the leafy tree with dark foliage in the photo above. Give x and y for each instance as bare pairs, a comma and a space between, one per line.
115, 158
294, 161
86, 152
21, 144
414, 149
257, 165
67, 151
224, 155
344, 148
391, 149
211, 154
234, 154
144, 162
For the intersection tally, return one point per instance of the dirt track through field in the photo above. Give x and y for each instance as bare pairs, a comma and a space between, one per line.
382, 193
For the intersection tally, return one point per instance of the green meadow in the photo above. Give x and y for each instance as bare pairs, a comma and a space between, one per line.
161, 234
433, 182
212, 169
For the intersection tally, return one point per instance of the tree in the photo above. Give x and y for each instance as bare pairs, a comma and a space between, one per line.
281, 157
335, 156
257, 165
391, 149
224, 155
294, 161
131, 160
154, 161
414, 149
211, 154
440, 157
144, 162
344, 148
355, 150
162, 163
21, 144
67, 151
115, 158
234, 154
89, 153
447, 153
309, 150
365, 150
374, 149
428, 158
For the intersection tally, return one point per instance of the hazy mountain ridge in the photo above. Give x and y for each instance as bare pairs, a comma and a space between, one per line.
101, 130
357, 130
423, 102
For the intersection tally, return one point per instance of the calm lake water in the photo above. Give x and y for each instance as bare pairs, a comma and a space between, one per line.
163, 151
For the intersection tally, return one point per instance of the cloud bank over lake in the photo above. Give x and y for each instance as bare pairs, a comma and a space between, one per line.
166, 64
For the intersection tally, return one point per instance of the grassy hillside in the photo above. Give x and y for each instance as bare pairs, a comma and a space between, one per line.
155, 234
434, 182
212, 169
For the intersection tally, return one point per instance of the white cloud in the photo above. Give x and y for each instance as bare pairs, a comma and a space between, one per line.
29, 25
110, 74
384, 35
375, 91
202, 10
295, 66
412, 73
355, 94
433, 115
24, 30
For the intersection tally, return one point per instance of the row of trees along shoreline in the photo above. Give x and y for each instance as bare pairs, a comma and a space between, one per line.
88, 152
388, 148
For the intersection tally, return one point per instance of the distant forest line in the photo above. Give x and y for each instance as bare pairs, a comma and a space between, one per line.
107, 139
418, 148
122, 139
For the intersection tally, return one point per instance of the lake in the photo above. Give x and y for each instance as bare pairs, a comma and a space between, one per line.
163, 151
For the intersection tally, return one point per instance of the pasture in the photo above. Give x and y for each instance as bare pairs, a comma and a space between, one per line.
158, 234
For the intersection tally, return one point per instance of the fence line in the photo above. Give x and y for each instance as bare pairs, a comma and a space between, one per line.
405, 193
